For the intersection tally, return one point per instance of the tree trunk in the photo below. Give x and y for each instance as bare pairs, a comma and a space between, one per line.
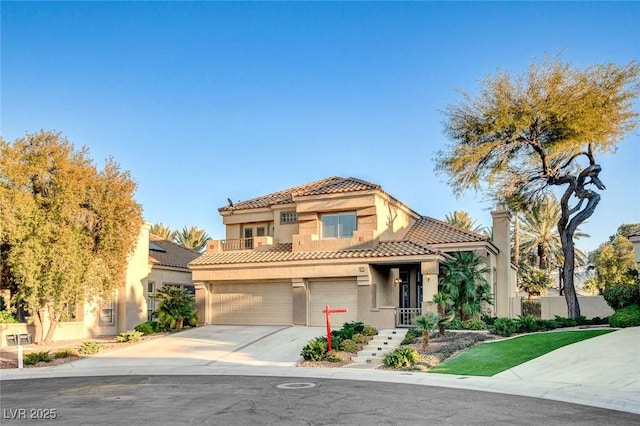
36, 317
568, 250
54, 320
542, 257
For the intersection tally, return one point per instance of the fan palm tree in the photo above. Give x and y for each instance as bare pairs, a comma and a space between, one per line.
162, 231
442, 300
192, 238
466, 284
176, 307
463, 220
539, 237
427, 324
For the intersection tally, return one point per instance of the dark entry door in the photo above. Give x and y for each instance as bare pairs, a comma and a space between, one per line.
405, 294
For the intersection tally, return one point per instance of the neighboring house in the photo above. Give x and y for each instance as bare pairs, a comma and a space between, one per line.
154, 262
634, 237
342, 242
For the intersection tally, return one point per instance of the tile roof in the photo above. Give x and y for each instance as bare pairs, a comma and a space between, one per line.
428, 231
283, 253
174, 255
331, 185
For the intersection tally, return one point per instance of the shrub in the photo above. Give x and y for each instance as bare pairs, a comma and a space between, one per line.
474, 324
504, 327
7, 317
564, 322
359, 338
412, 336
315, 349
528, 324
455, 324
65, 353
489, 320
89, 348
621, 295
369, 330
626, 317
36, 357
401, 357
350, 328
332, 356
349, 345
129, 336
148, 327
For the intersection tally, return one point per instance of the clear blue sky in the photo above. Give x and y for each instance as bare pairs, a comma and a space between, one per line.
207, 100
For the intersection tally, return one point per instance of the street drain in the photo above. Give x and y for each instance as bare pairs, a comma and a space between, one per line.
296, 385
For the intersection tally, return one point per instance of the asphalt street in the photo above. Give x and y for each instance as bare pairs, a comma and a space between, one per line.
242, 400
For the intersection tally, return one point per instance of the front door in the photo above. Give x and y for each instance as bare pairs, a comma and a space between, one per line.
405, 298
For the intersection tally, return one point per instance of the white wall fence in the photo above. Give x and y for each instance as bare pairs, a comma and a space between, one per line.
590, 306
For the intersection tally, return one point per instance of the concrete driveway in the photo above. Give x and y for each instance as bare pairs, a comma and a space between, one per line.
276, 346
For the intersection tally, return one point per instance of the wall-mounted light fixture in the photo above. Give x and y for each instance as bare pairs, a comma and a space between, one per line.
397, 281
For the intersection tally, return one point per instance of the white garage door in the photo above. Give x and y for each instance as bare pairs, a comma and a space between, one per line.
253, 304
336, 294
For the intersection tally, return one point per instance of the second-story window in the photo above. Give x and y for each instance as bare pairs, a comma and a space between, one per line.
288, 217
338, 225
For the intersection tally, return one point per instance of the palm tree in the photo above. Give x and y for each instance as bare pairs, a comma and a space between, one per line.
176, 307
427, 323
162, 231
466, 284
192, 238
539, 238
442, 300
463, 220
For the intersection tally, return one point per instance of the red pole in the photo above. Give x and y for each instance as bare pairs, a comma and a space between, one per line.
326, 314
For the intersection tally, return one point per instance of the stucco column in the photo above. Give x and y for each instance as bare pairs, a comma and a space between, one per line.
504, 288
299, 288
429, 272
203, 302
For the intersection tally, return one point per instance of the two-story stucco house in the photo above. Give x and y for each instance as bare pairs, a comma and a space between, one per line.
342, 242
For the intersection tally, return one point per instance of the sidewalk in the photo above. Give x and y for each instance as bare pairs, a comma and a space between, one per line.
600, 372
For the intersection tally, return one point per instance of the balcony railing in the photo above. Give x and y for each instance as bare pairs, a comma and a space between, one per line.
237, 244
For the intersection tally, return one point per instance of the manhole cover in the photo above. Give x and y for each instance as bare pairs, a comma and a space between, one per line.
296, 385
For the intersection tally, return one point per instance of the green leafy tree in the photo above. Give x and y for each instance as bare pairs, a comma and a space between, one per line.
614, 263
523, 135
162, 231
463, 220
465, 283
175, 307
67, 227
192, 238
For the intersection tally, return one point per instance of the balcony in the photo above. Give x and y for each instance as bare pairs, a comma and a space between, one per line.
239, 244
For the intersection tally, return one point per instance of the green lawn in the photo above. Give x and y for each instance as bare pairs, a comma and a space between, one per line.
491, 358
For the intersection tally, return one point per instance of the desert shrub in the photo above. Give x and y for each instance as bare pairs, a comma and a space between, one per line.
349, 345
626, 317
455, 324
332, 356
315, 349
528, 324
369, 331
487, 319
564, 322
504, 327
359, 338
412, 336
474, 324
65, 353
621, 295
350, 328
35, 357
401, 357
129, 336
7, 317
89, 348
336, 339
148, 327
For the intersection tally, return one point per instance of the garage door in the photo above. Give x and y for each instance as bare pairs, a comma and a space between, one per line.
336, 294
252, 304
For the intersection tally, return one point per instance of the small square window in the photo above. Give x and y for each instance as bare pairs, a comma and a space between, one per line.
288, 217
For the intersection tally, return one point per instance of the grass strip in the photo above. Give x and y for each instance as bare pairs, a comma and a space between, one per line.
492, 358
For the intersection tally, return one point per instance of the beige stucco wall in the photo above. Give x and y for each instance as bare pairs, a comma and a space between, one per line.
590, 306
635, 240
393, 219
